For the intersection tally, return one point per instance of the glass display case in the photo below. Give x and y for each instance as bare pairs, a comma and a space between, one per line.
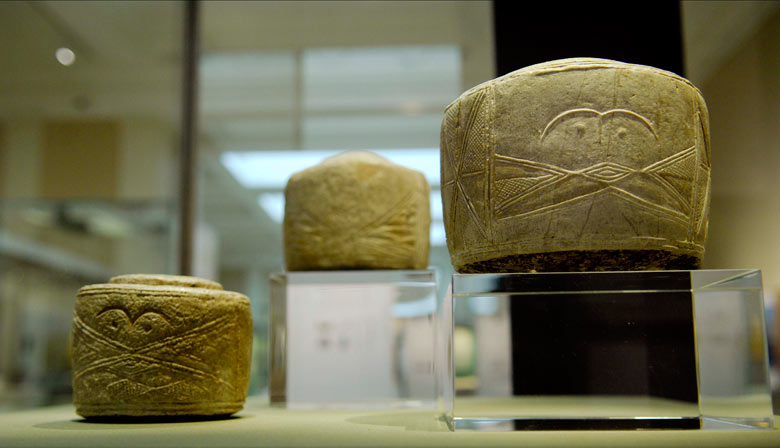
610, 350
358, 339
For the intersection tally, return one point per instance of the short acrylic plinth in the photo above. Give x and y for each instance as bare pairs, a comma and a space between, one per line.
609, 350
357, 339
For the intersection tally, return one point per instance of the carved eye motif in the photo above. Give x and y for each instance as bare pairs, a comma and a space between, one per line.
113, 321
117, 321
579, 129
151, 322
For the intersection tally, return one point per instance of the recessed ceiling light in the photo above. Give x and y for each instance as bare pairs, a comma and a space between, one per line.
65, 56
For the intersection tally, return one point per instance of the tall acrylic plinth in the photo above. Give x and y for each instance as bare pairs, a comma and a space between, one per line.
359, 339
609, 350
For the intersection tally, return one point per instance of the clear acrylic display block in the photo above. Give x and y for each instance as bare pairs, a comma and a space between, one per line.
357, 339
609, 350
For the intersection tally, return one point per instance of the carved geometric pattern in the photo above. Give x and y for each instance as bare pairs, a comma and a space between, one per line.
669, 174
586, 177
675, 173
525, 173
147, 365
521, 188
508, 188
700, 196
468, 140
606, 172
389, 236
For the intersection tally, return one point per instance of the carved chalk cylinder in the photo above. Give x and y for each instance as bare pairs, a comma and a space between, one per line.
160, 345
356, 210
577, 164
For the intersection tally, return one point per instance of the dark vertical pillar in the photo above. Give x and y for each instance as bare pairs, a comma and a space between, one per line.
187, 153
647, 33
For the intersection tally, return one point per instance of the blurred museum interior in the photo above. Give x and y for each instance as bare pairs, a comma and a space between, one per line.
98, 176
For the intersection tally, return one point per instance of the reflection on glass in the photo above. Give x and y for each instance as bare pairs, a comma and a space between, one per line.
89, 120
278, 93
732, 349
354, 339
630, 350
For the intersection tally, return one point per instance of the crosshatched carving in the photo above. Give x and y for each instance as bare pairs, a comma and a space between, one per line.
145, 348
356, 210
576, 164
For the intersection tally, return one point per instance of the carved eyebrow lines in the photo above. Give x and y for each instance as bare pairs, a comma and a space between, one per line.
129, 318
631, 113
